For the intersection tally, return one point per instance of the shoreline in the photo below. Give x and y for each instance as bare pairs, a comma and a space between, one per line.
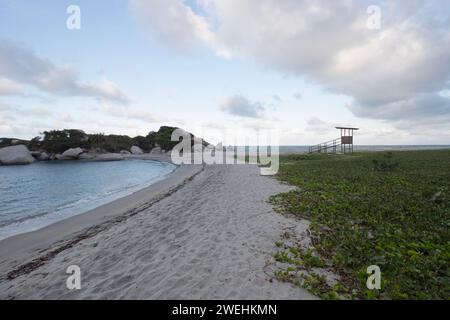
23, 248
67, 210
211, 235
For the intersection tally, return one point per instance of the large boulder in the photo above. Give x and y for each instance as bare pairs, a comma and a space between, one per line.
15, 155
136, 150
40, 155
35, 154
156, 150
43, 156
72, 153
86, 156
109, 157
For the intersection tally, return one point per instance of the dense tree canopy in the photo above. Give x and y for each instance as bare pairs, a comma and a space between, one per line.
58, 141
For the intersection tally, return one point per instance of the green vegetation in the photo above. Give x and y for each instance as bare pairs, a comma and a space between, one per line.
58, 141
298, 257
163, 138
390, 210
6, 142
300, 271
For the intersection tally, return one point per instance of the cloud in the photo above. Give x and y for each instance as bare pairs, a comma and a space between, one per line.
239, 105
401, 67
8, 87
277, 101
173, 22
319, 127
20, 66
277, 98
297, 95
437, 109
126, 113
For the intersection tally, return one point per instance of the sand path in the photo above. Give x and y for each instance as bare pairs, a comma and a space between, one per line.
211, 239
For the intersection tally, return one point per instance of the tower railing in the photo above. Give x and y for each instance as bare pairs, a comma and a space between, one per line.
343, 144
327, 147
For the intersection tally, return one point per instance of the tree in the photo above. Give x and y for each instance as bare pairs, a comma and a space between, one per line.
58, 141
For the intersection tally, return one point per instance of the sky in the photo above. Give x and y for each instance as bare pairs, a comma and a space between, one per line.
227, 68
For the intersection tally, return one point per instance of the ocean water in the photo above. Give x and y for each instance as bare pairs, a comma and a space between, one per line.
37, 195
374, 148
305, 149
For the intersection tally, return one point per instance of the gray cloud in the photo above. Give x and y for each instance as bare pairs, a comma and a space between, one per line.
239, 105
437, 107
8, 87
20, 66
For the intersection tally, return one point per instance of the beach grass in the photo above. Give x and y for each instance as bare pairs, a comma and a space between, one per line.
386, 209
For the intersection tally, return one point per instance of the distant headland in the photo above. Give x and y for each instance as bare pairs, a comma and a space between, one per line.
74, 144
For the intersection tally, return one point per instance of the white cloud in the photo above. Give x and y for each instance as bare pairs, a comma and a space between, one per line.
8, 87
127, 113
173, 22
20, 66
401, 67
239, 105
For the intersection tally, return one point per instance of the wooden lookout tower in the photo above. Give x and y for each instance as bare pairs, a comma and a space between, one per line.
341, 145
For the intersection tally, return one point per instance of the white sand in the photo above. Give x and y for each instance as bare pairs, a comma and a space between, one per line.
210, 239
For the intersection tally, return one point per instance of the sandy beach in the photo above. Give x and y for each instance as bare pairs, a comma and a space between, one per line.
202, 233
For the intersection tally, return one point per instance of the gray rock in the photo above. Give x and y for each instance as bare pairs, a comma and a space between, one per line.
437, 197
136, 150
61, 157
125, 152
40, 155
72, 153
156, 150
109, 157
15, 155
43, 156
86, 156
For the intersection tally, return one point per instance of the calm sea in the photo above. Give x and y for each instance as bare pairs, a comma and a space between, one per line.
374, 148
37, 195
303, 149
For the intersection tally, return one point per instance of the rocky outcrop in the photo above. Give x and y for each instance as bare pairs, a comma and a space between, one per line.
15, 155
71, 154
60, 157
109, 157
125, 152
43, 156
136, 150
86, 156
40, 155
156, 150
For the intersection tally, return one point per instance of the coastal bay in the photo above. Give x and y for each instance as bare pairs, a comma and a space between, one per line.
196, 236
46, 192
